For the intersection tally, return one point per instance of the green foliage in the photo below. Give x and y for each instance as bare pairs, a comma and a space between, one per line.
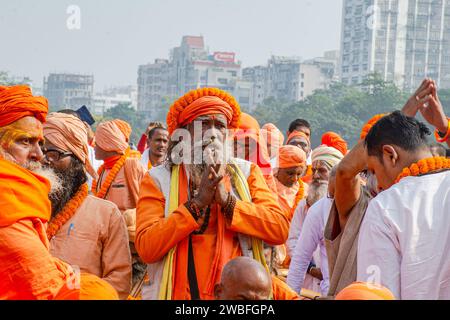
342, 109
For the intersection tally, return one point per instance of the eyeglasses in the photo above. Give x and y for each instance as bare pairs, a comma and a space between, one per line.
55, 155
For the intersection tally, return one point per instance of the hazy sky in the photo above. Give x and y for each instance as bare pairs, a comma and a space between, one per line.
117, 36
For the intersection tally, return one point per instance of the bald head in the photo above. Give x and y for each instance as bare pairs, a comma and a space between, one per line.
244, 279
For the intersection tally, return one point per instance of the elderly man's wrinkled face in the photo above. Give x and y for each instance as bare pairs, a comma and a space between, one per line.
289, 176
320, 172
21, 142
208, 138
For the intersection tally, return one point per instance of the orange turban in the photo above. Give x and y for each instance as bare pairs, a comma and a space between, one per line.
124, 127
69, 133
109, 137
23, 194
291, 156
248, 128
17, 102
273, 135
201, 102
297, 134
334, 140
366, 128
365, 291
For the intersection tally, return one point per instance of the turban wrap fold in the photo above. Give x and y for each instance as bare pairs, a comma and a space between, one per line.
329, 155
273, 135
365, 291
334, 140
291, 156
110, 138
297, 134
69, 133
124, 127
17, 102
201, 102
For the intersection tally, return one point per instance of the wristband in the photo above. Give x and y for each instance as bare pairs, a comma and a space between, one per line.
446, 136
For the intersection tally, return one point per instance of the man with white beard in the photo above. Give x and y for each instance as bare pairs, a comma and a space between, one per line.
324, 158
195, 215
27, 269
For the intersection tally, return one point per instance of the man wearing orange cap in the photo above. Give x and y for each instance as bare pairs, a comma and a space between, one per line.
334, 140
274, 139
251, 146
203, 208
120, 177
84, 231
27, 270
301, 140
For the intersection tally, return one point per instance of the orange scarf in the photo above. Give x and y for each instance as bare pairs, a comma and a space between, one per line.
67, 212
24, 194
115, 163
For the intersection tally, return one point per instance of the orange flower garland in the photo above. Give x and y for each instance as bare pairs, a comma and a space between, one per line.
191, 96
300, 194
111, 176
425, 166
366, 128
67, 213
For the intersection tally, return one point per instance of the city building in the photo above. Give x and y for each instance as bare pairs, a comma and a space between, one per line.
402, 40
72, 91
189, 67
112, 97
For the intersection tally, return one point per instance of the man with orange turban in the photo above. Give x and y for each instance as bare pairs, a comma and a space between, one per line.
301, 139
84, 230
251, 146
204, 207
27, 270
120, 177
274, 139
334, 140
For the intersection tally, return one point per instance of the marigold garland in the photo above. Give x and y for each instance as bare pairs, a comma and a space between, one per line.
300, 194
111, 176
191, 96
366, 128
425, 166
67, 212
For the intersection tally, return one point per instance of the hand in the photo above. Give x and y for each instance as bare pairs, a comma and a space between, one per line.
221, 195
208, 185
433, 112
418, 98
316, 273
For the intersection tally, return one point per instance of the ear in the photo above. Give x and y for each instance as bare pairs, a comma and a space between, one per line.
390, 154
218, 289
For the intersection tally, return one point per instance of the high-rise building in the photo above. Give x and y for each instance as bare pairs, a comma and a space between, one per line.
112, 97
190, 66
257, 75
69, 90
402, 40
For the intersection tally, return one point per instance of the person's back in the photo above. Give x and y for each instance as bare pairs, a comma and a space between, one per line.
416, 212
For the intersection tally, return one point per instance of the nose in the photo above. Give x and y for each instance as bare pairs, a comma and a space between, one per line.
36, 153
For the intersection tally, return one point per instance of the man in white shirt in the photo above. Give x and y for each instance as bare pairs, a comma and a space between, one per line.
158, 141
311, 237
405, 235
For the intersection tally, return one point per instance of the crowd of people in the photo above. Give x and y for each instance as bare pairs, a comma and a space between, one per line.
212, 205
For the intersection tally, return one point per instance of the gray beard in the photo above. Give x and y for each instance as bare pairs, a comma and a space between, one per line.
317, 190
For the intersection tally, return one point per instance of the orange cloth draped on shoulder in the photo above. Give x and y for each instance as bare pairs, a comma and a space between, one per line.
334, 140
281, 291
365, 291
17, 102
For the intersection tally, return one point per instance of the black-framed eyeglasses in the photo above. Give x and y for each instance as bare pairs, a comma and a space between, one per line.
55, 155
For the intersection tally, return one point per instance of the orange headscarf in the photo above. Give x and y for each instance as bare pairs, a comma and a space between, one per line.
273, 134
334, 140
69, 133
124, 127
297, 134
366, 128
291, 156
24, 194
17, 102
109, 137
365, 291
200, 102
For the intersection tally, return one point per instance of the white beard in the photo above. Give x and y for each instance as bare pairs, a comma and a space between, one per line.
317, 192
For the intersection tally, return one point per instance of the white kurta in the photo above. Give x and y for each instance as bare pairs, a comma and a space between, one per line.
145, 158
94, 163
404, 241
311, 237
